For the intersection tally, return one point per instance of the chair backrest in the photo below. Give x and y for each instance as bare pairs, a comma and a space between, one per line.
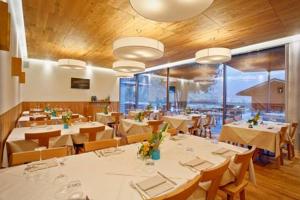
74, 116
293, 131
172, 131
39, 118
214, 175
283, 134
155, 125
244, 160
23, 157
42, 137
117, 116
195, 120
99, 144
54, 153
91, 132
135, 138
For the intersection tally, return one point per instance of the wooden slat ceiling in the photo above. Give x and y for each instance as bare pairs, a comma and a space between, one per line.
86, 29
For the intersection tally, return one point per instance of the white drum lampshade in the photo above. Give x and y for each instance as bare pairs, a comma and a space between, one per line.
71, 64
213, 56
138, 48
170, 10
128, 66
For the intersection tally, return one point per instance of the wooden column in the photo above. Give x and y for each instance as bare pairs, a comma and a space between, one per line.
4, 27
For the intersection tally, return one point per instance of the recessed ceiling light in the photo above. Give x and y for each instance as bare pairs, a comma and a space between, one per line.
170, 10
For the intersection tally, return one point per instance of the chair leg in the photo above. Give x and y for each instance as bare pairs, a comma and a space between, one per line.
281, 156
229, 197
293, 151
242, 195
289, 149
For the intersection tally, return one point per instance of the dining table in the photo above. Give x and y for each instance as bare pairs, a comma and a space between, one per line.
55, 119
115, 176
105, 118
132, 126
265, 135
64, 140
179, 122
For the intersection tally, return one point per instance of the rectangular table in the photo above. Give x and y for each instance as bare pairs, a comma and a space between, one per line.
131, 126
110, 177
180, 122
26, 118
264, 136
64, 140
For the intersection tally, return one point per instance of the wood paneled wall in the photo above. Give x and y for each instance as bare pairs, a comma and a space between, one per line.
7, 123
82, 107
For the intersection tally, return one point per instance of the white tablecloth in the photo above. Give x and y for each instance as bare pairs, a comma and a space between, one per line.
130, 126
180, 122
109, 177
26, 118
264, 136
104, 118
19, 134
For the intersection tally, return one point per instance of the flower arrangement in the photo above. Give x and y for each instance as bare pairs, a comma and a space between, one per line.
66, 118
151, 147
53, 113
149, 107
106, 108
140, 117
255, 119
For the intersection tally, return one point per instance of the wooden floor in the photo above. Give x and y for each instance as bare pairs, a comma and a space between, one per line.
275, 184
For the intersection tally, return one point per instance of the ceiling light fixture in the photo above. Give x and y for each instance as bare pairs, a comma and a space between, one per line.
71, 64
170, 10
128, 66
213, 55
138, 48
124, 75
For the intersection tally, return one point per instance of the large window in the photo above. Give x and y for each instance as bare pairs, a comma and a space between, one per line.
152, 89
255, 83
233, 91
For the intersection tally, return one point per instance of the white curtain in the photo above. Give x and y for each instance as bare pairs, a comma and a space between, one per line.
293, 85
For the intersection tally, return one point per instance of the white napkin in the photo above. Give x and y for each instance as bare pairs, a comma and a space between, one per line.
227, 153
220, 151
35, 166
155, 186
195, 162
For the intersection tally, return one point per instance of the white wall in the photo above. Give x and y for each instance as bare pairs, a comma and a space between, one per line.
9, 86
45, 81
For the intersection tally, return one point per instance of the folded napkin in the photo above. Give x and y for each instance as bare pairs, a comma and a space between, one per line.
108, 151
227, 153
155, 186
221, 151
198, 164
35, 166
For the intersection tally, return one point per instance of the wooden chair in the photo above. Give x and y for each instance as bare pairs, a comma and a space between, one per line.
191, 188
154, 124
138, 138
37, 123
30, 156
42, 137
290, 143
172, 131
40, 118
238, 186
23, 157
283, 135
117, 116
194, 127
91, 132
206, 127
74, 116
100, 144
